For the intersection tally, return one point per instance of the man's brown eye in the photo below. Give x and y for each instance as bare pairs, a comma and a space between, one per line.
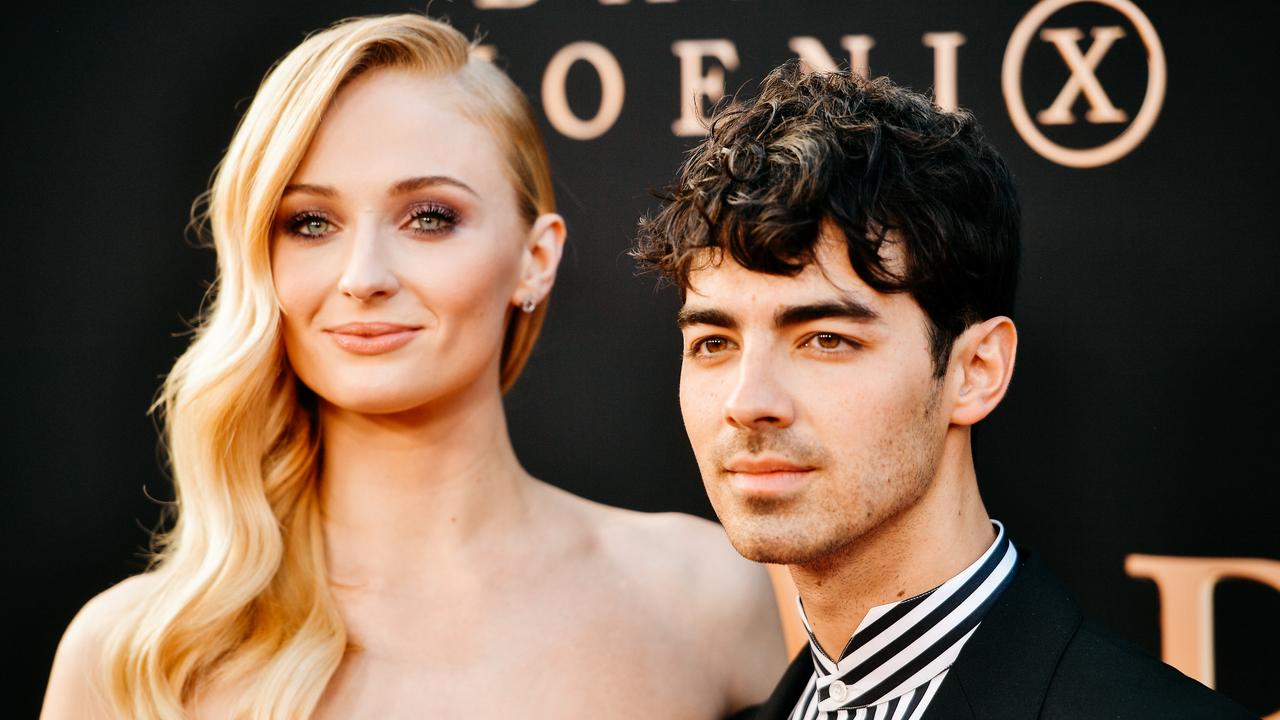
827, 341
710, 346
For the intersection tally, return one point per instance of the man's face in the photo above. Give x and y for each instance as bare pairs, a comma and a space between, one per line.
811, 404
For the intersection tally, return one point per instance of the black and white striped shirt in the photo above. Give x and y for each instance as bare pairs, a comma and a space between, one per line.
900, 653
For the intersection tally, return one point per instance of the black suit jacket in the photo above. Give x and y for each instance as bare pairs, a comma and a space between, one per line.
1034, 657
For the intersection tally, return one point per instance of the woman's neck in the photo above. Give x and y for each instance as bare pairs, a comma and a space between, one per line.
420, 490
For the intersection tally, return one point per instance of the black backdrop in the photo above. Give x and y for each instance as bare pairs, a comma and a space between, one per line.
1140, 415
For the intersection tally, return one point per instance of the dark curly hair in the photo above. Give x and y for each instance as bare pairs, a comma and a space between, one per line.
877, 161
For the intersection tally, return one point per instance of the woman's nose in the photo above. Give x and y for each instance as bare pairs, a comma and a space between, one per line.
368, 273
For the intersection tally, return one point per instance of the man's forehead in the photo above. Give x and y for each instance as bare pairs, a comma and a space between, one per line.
724, 280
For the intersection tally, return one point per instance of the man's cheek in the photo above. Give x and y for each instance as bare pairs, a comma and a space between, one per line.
703, 414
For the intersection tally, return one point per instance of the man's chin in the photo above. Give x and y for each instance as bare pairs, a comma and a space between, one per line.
775, 546
771, 555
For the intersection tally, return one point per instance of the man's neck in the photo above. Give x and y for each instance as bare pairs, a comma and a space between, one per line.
912, 552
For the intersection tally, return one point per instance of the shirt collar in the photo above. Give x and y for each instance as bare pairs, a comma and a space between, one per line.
902, 645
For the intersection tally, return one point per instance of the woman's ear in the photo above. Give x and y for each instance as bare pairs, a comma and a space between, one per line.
981, 366
542, 250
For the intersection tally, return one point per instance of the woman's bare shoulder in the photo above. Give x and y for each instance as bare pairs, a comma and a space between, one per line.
74, 691
701, 565
685, 543
681, 554
728, 601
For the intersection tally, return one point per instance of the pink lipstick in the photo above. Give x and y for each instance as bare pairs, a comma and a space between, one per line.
372, 338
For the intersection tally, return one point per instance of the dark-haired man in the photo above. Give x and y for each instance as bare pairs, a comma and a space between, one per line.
848, 255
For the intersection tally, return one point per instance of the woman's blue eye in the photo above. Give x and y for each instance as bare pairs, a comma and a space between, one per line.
432, 219
309, 225
312, 226
429, 222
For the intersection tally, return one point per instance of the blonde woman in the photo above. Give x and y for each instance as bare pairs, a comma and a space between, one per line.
355, 537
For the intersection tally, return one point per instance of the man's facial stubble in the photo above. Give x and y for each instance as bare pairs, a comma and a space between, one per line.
849, 498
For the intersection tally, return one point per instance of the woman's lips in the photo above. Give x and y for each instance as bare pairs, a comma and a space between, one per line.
372, 338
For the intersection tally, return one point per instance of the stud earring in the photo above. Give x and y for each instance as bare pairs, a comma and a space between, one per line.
528, 305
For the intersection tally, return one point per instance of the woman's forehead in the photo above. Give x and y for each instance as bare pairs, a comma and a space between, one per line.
390, 124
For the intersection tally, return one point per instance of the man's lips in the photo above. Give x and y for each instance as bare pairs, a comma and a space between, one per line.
372, 338
767, 475
763, 465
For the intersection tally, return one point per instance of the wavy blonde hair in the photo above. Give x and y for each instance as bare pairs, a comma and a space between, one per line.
241, 586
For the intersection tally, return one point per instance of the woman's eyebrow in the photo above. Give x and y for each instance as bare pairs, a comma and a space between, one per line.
399, 188
417, 183
309, 189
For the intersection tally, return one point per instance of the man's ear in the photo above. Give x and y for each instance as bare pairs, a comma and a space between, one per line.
981, 367
542, 250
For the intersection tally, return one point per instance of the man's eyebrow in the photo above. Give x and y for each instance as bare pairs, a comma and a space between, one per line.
403, 186
847, 308
705, 316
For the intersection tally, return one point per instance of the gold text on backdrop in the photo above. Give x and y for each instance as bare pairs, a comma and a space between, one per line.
1084, 81
696, 85
612, 90
944, 45
1185, 585
811, 51
703, 65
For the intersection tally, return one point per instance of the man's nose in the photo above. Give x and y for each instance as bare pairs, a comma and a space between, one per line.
759, 397
368, 273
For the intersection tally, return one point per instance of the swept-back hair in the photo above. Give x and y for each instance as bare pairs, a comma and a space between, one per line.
874, 160
241, 591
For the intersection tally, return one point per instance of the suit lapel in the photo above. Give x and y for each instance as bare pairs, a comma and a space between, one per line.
1004, 670
787, 693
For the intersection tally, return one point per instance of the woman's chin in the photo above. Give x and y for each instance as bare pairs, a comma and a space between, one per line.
391, 390
377, 400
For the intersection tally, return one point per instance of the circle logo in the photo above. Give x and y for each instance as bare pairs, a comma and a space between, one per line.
1083, 81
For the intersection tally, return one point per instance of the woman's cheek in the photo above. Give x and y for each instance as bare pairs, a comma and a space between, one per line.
299, 282
472, 281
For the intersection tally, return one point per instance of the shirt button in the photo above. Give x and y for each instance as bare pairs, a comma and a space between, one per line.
839, 691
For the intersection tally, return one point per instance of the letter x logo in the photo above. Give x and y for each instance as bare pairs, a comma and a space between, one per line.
1083, 79
1083, 65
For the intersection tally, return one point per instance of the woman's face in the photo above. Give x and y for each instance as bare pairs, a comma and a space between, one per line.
398, 250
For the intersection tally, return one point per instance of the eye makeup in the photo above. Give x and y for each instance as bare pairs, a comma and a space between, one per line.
432, 218
425, 219
307, 225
